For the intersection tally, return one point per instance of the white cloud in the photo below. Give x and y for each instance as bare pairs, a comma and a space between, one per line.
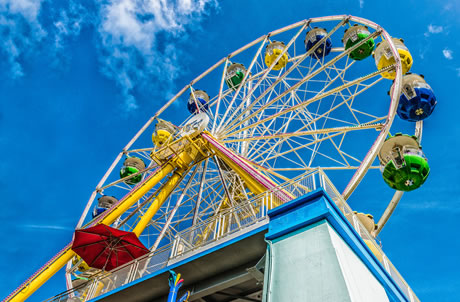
29, 9
361, 3
20, 30
431, 206
137, 38
70, 22
439, 206
47, 227
435, 29
448, 54
130, 31
458, 72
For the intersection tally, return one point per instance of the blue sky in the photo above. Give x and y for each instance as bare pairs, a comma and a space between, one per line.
79, 78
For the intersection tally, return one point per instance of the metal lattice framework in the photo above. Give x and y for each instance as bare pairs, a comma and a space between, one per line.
331, 113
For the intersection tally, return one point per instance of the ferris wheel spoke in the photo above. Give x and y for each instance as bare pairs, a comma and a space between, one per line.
302, 105
285, 122
219, 97
365, 113
210, 202
341, 130
308, 133
200, 191
303, 146
319, 96
316, 148
323, 168
342, 75
352, 157
325, 115
288, 160
122, 186
317, 152
267, 70
245, 76
260, 154
316, 72
305, 113
340, 152
174, 210
300, 160
224, 183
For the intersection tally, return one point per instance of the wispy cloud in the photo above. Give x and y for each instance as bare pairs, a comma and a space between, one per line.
69, 23
47, 227
137, 41
29, 9
440, 206
131, 33
20, 30
458, 72
361, 3
434, 29
448, 54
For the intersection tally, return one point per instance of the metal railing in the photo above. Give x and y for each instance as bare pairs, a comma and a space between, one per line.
228, 223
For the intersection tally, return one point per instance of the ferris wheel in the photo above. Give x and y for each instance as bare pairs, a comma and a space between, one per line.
312, 95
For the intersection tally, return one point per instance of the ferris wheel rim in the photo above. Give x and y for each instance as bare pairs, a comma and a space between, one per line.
366, 163
225, 60
345, 18
253, 43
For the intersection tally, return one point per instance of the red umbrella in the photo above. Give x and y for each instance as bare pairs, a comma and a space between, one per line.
106, 248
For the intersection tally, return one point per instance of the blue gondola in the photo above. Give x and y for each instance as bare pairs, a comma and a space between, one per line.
201, 98
104, 203
417, 100
313, 37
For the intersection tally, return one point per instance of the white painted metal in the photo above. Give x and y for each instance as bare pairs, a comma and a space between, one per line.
282, 123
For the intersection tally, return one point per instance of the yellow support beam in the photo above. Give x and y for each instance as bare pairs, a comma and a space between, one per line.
29, 288
252, 181
183, 162
168, 187
253, 184
134, 196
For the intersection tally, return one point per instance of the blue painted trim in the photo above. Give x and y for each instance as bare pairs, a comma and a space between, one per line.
306, 210
288, 217
190, 259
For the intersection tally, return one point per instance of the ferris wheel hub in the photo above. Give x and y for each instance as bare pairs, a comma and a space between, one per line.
195, 125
